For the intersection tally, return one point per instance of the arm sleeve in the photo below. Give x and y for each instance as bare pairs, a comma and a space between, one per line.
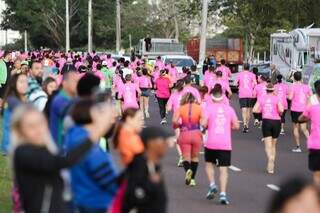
41, 160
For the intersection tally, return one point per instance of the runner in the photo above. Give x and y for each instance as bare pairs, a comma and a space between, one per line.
312, 113
209, 77
220, 79
145, 86
162, 85
226, 72
299, 95
129, 93
187, 119
282, 90
259, 92
173, 105
271, 108
220, 119
246, 82
188, 88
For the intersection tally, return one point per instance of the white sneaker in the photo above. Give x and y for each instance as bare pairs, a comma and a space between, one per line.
163, 121
297, 150
256, 122
282, 132
147, 114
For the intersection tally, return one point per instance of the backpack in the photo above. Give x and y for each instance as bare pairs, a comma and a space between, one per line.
117, 203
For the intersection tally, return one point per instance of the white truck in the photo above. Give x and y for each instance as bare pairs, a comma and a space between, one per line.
160, 47
292, 51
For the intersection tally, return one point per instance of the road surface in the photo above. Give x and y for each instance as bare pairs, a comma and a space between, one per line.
250, 187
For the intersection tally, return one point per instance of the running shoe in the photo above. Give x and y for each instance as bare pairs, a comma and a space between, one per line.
282, 132
147, 114
245, 129
180, 162
188, 177
192, 183
256, 122
212, 191
297, 150
223, 199
163, 121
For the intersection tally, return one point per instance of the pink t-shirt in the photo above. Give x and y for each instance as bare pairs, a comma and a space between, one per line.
117, 83
155, 75
159, 64
193, 91
226, 72
260, 90
209, 78
246, 81
300, 95
313, 113
220, 118
163, 87
224, 84
144, 81
269, 107
207, 100
282, 91
174, 101
129, 94
173, 73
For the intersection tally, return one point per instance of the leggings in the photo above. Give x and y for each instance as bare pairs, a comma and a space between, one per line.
162, 106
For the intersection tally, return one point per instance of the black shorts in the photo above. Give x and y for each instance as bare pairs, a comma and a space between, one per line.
314, 160
295, 117
145, 92
246, 102
217, 157
283, 117
271, 128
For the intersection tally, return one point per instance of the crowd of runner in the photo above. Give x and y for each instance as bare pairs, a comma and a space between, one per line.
63, 112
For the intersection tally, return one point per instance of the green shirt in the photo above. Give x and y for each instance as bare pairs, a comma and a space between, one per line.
108, 75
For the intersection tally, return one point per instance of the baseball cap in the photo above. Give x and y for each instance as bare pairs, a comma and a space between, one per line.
153, 132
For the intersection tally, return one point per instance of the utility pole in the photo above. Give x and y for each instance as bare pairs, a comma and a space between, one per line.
118, 26
25, 41
67, 27
90, 26
203, 34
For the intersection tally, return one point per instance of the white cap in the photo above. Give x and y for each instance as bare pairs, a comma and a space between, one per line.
104, 63
127, 71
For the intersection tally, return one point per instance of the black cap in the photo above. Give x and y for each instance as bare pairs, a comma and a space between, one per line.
154, 132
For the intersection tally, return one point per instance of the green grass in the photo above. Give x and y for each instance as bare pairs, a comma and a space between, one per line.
5, 182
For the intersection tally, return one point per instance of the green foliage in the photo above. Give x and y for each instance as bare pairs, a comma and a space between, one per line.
251, 19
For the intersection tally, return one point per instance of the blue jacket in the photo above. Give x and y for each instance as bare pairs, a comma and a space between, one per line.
58, 110
93, 179
11, 103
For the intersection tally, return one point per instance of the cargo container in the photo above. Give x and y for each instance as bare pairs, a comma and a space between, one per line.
230, 49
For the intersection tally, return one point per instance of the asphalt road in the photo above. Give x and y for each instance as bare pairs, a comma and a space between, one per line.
248, 189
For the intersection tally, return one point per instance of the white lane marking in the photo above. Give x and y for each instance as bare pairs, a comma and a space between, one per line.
273, 187
233, 168
201, 153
